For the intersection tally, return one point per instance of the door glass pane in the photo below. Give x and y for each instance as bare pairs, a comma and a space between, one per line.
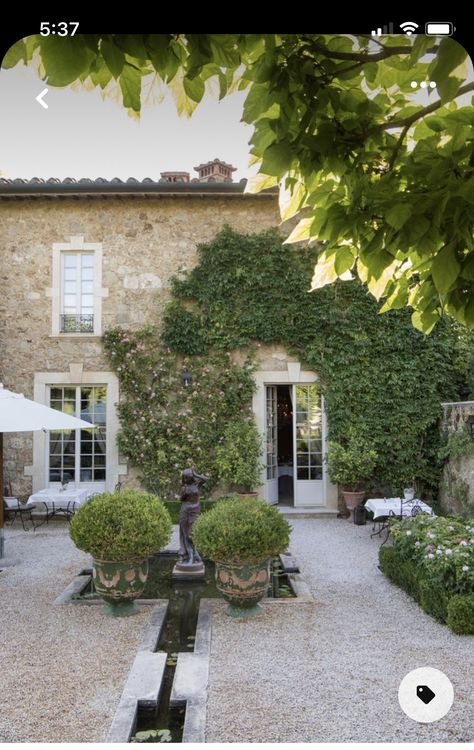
271, 431
84, 448
308, 432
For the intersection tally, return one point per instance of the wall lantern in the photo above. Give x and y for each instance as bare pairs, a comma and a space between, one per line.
186, 378
470, 425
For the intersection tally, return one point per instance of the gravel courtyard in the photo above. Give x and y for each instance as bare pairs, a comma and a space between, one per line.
62, 668
318, 671
330, 670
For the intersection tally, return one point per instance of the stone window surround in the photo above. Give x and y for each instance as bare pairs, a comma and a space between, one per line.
77, 376
76, 244
292, 374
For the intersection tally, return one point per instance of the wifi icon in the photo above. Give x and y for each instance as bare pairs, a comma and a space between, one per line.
409, 27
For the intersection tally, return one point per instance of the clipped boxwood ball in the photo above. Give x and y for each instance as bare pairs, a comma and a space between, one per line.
241, 530
121, 525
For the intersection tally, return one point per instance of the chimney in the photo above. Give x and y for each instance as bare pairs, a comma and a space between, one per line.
174, 177
215, 171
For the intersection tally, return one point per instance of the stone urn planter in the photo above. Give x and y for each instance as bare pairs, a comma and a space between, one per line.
119, 583
243, 585
242, 536
353, 499
121, 530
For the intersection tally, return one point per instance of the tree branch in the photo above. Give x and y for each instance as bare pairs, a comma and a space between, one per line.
408, 121
364, 57
397, 148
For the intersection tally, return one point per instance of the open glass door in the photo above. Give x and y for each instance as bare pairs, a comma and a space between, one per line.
308, 442
271, 439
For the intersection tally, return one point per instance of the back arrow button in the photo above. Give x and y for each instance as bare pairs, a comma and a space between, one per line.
39, 98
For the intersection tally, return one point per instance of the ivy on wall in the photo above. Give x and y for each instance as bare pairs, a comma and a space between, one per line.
377, 372
165, 425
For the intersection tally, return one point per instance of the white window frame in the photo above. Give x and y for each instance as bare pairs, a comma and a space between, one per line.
76, 244
77, 376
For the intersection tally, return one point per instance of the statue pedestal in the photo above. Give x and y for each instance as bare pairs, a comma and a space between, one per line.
188, 571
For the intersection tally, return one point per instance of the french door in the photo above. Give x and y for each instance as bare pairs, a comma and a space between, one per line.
271, 439
308, 441
79, 456
308, 445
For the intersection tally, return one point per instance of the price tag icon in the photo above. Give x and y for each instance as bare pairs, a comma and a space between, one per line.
425, 693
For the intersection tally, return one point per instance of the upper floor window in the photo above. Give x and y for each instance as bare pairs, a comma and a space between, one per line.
77, 293
76, 290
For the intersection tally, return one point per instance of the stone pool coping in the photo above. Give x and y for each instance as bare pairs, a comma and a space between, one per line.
296, 580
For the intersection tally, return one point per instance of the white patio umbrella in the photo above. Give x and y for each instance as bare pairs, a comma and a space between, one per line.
20, 414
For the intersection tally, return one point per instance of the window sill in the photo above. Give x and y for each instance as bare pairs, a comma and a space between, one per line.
81, 336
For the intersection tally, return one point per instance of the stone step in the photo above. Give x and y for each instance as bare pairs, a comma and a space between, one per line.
307, 511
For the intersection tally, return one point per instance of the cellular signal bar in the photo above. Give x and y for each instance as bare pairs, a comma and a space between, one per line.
383, 30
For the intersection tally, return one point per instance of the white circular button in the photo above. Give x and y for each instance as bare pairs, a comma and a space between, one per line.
425, 694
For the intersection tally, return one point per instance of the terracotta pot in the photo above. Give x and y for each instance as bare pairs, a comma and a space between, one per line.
243, 585
119, 583
352, 499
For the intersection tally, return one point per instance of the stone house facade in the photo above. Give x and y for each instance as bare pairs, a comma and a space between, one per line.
80, 257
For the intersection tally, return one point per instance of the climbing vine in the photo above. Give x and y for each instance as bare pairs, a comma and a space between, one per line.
166, 425
377, 372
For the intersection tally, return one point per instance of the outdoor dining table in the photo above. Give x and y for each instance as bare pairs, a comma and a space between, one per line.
384, 508
57, 501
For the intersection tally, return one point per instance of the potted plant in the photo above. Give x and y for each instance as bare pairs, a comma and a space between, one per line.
121, 530
350, 466
241, 536
237, 457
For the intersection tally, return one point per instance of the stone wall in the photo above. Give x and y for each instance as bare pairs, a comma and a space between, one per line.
457, 483
145, 242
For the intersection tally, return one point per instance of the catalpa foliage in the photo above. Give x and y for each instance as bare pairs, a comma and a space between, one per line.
383, 181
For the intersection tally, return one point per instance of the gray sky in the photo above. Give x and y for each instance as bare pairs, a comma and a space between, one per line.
80, 135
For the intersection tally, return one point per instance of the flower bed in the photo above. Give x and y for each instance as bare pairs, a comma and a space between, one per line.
432, 559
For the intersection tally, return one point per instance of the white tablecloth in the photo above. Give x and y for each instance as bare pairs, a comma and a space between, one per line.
381, 507
56, 498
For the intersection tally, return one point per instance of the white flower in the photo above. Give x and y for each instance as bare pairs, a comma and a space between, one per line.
449, 552
439, 551
429, 555
408, 533
417, 544
451, 528
430, 535
463, 543
465, 568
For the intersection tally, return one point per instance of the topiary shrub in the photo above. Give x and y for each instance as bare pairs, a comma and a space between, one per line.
460, 617
241, 530
124, 525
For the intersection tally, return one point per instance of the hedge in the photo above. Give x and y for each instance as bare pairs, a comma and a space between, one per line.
456, 610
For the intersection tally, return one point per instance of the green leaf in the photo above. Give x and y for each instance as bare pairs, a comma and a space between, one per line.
260, 182
194, 88
65, 59
424, 321
398, 298
448, 88
449, 56
445, 269
344, 260
398, 215
16, 53
277, 159
302, 231
291, 200
114, 57
130, 84
324, 272
436, 123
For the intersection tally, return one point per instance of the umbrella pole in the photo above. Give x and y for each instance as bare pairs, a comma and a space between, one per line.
1, 494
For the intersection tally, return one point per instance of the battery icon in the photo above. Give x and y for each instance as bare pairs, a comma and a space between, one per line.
439, 28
